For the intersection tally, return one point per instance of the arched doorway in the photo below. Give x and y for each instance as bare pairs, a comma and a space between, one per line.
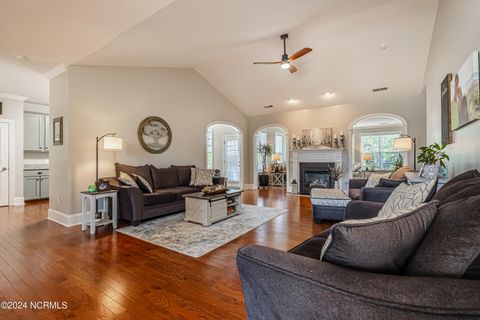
278, 163
224, 151
372, 139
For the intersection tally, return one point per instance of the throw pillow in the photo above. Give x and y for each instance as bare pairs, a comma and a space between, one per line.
389, 183
452, 245
399, 174
381, 244
405, 196
374, 179
143, 184
193, 173
203, 177
126, 179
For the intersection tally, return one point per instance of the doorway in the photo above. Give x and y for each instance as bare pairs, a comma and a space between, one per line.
224, 152
277, 164
4, 164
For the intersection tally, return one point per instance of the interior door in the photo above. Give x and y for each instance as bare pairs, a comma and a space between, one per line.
4, 166
232, 158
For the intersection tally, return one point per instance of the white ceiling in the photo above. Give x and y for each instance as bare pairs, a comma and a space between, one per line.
221, 39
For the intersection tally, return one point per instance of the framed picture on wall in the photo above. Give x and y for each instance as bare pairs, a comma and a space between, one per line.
445, 104
58, 131
465, 93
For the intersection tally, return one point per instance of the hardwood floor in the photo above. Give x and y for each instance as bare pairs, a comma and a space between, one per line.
114, 276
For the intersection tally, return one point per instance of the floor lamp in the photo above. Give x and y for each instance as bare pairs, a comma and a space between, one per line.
406, 143
110, 143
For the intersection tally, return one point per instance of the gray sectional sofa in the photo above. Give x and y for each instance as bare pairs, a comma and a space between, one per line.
298, 285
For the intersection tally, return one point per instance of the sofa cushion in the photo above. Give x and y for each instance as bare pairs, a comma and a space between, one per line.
184, 174
164, 177
389, 183
158, 197
463, 176
452, 244
143, 171
399, 174
381, 244
180, 191
458, 190
405, 196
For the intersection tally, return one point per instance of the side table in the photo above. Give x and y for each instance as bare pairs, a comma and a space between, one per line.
92, 197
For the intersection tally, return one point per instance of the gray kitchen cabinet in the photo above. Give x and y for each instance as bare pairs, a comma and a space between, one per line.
35, 184
44, 187
35, 132
30, 188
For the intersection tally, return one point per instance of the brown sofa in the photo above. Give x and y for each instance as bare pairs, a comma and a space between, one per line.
169, 185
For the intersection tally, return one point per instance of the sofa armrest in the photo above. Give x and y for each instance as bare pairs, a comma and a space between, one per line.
280, 285
362, 209
130, 203
357, 183
376, 194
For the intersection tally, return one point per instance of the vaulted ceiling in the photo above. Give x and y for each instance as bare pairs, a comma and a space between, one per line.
357, 45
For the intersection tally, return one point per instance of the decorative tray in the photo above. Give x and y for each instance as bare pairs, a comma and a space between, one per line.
210, 192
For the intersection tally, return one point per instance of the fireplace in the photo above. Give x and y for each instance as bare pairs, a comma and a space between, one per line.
315, 175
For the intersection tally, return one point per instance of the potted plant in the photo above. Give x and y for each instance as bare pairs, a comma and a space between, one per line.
265, 150
337, 172
432, 157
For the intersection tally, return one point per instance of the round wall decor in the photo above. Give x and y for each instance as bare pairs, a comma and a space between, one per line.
154, 134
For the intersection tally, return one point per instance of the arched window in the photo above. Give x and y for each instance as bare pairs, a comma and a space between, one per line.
373, 137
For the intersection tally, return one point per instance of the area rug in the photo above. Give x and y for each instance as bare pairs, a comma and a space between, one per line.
195, 240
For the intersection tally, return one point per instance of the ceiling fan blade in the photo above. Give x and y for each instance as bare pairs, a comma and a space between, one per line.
276, 62
299, 53
292, 69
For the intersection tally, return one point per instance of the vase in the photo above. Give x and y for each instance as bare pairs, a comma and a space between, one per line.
430, 171
263, 180
336, 185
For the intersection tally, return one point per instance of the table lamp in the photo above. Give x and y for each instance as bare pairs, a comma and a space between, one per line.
406, 143
276, 157
110, 143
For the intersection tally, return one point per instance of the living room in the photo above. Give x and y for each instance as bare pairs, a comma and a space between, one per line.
202, 154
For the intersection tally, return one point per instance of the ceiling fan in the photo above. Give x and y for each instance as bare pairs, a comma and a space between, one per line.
285, 63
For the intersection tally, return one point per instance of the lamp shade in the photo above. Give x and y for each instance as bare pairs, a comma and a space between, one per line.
276, 157
367, 157
112, 144
403, 144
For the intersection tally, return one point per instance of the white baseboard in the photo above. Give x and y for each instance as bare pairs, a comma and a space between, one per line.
66, 220
249, 186
18, 201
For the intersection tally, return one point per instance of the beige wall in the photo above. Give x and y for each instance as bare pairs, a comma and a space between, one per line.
60, 167
456, 36
340, 117
13, 110
117, 99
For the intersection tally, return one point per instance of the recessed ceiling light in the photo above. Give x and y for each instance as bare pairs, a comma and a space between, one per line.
292, 101
383, 46
19, 56
329, 95
268, 107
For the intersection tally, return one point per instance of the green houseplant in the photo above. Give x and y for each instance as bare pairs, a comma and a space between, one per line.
264, 150
432, 157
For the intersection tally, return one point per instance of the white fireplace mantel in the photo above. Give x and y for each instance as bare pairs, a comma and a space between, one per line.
338, 156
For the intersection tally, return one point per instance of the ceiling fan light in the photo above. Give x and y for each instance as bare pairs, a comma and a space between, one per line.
285, 65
